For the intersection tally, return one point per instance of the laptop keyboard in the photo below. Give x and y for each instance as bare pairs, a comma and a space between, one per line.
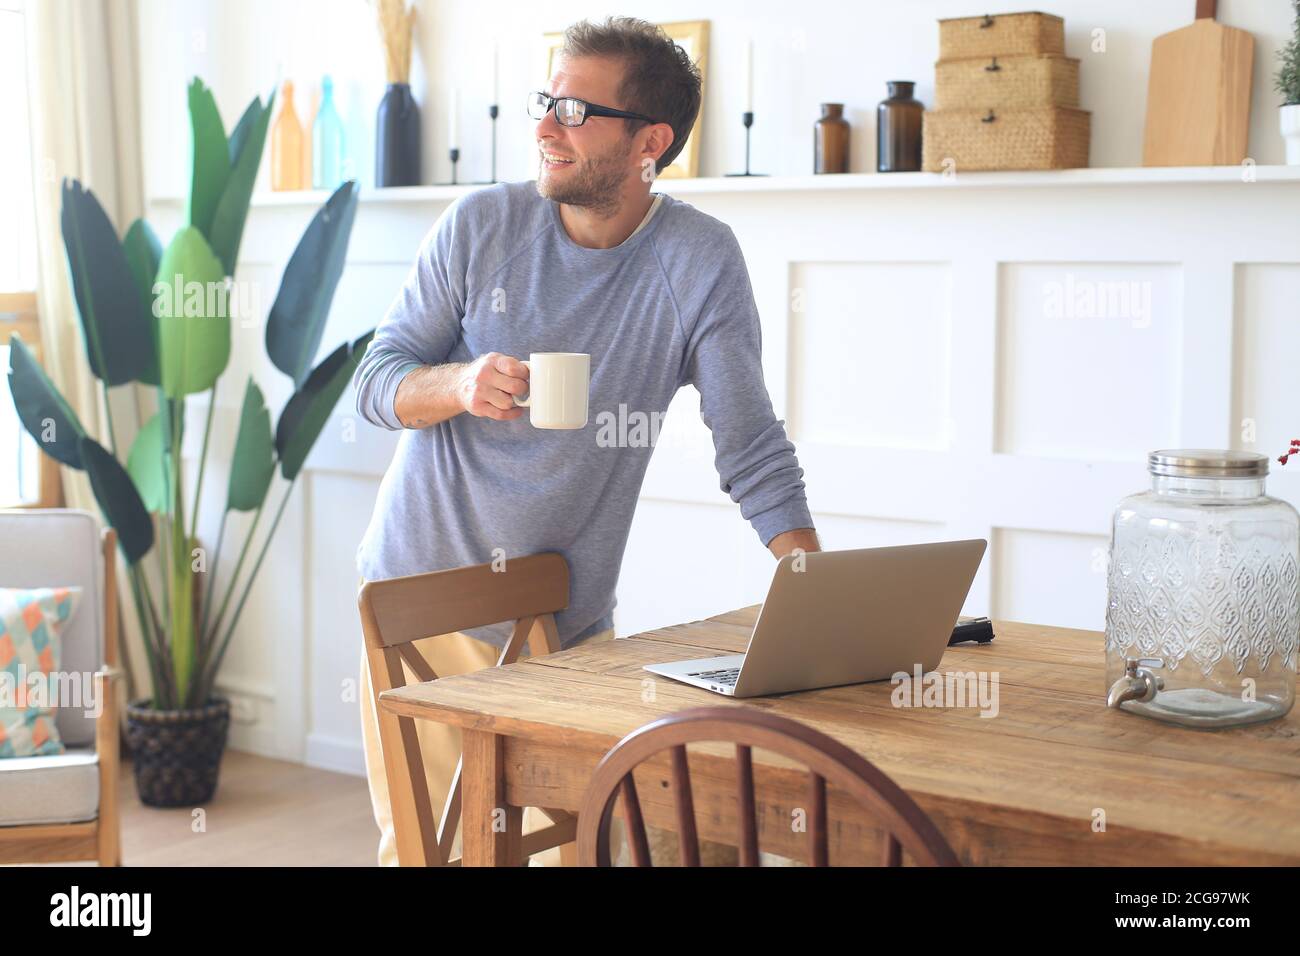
727, 675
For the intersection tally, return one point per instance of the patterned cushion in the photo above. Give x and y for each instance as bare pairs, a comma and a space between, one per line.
30, 624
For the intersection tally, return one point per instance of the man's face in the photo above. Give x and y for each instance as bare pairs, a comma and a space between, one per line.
586, 165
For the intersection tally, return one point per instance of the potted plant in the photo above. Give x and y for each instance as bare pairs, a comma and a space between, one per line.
1288, 84
163, 318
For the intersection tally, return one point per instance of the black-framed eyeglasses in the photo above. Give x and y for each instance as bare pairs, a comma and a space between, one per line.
571, 111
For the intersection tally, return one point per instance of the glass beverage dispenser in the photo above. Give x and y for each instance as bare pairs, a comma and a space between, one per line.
1203, 607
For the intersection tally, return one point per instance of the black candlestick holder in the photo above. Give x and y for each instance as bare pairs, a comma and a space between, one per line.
748, 119
492, 112
454, 153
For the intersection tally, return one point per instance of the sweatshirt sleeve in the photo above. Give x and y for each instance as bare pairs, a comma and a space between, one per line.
755, 460
421, 326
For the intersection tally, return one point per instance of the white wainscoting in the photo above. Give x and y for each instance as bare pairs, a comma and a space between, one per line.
952, 362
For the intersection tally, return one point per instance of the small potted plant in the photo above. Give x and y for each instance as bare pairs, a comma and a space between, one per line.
161, 317
1288, 84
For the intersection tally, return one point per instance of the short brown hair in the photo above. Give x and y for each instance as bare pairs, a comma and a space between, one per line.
659, 79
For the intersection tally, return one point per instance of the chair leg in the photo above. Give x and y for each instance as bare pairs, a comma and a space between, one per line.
109, 848
108, 827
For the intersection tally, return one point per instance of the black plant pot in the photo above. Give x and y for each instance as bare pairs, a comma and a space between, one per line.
177, 753
397, 138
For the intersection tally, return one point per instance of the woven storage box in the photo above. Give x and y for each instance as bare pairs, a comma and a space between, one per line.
1003, 34
1051, 138
1006, 82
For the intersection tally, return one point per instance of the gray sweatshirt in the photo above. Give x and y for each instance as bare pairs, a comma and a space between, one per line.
670, 306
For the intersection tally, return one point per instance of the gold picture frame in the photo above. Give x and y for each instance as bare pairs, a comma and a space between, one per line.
693, 37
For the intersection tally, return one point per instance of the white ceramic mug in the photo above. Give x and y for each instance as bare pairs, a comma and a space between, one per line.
557, 389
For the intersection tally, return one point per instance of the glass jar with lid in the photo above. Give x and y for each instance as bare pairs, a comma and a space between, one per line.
1203, 607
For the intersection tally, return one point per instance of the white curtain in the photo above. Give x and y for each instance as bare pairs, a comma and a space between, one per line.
84, 107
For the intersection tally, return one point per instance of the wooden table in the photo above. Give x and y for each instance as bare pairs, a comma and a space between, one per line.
1029, 786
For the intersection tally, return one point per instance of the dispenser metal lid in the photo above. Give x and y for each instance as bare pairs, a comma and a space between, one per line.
1207, 463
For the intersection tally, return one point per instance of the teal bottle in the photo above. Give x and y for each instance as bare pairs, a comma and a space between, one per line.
327, 142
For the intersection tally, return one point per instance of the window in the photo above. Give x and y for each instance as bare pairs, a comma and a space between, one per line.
26, 476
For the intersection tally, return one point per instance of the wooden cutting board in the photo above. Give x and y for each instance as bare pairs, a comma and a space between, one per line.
1198, 98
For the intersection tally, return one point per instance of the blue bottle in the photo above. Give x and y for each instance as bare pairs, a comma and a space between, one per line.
327, 142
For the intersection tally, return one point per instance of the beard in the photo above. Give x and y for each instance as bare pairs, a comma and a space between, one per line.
595, 184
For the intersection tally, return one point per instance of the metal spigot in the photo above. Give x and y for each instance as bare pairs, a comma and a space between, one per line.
1138, 683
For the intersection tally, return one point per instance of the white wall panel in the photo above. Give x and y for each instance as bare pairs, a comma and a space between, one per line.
1050, 578
331, 662
1088, 358
702, 558
1266, 381
870, 353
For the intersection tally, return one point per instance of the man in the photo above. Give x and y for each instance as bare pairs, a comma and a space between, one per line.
584, 261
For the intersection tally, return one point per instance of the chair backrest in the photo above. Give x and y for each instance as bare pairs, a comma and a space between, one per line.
398, 611
55, 547
906, 825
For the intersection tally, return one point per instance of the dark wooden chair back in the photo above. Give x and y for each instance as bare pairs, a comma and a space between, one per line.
399, 611
906, 826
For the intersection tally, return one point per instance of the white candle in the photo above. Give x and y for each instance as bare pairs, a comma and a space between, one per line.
749, 76
451, 119
496, 70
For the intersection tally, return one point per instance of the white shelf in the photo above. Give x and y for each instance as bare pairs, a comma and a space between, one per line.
847, 182
318, 197
1120, 176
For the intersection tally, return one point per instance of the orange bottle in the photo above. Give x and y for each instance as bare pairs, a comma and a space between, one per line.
287, 144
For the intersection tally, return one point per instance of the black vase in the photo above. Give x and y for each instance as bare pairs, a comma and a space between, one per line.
397, 138
898, 130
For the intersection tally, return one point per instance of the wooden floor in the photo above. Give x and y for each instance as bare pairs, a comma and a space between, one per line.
265, 813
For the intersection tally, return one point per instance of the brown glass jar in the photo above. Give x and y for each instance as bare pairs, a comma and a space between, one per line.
831, 140
898, 130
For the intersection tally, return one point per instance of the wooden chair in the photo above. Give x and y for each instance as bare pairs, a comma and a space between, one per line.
63, 808
396, 612
907, 827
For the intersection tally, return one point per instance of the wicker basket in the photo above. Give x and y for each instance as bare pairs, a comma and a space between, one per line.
177, 753
1051, 138
1006, 82
1004, 34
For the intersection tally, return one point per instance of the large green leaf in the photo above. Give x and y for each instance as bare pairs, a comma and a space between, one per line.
253, 465
210, 157
42, 410
309, 408
246, 143
297, 320
143, 253
192, 314
119, 338
118, 500
239, 135
149, 463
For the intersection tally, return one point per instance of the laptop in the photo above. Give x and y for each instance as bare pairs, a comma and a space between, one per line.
847, 617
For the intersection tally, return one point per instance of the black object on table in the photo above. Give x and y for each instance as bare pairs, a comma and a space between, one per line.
979, 629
